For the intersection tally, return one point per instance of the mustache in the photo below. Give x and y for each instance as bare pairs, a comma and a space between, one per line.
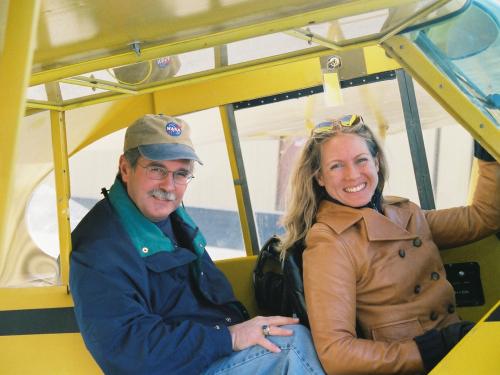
162, 195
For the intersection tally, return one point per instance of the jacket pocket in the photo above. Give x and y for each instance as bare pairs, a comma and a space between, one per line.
165, 261
398, 331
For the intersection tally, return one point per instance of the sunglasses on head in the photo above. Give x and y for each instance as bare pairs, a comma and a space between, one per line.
344, 121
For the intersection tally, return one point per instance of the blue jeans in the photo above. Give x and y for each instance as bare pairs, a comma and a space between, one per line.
297, 356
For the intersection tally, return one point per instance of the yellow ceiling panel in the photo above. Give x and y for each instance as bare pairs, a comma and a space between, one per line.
76, 33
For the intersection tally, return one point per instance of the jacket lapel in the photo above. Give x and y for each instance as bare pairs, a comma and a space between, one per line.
383, 228
391, 226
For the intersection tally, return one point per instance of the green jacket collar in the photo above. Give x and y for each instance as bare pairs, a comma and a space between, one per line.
146, 237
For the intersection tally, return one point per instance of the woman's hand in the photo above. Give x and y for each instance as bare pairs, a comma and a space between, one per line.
251, 332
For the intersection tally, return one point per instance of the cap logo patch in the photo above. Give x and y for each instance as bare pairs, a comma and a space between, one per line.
163, 62
173, 129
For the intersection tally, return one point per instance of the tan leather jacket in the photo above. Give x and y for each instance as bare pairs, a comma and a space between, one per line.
385, 271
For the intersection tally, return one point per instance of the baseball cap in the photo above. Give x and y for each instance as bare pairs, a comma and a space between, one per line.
161, 137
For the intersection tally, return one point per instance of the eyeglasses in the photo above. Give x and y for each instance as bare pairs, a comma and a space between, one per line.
156, 172
345, 121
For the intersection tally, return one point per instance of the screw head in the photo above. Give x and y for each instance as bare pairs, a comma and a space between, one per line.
333, 63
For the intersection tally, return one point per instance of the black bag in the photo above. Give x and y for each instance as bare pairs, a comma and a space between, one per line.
293, 282
268, 279
278, 285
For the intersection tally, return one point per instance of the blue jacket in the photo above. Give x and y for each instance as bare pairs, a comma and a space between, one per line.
157, 312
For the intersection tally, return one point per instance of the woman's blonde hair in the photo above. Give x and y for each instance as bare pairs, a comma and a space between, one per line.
305, 193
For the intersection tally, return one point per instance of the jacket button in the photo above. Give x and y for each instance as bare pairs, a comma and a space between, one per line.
402, 253
451, 308
435, 276
434, 315
216, 326
145, 250
417, 289
228, 319
417, 242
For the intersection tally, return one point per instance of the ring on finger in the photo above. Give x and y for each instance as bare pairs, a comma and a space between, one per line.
266, 330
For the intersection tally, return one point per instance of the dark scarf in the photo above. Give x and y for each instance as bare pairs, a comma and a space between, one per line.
375, 203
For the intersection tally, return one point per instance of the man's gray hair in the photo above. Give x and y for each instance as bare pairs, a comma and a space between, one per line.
132, 156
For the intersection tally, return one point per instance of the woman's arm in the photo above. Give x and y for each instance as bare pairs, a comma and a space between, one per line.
461, 225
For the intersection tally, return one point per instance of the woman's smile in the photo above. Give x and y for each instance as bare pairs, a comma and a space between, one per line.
355, 189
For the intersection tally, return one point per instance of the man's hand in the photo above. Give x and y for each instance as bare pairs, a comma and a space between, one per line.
250, 333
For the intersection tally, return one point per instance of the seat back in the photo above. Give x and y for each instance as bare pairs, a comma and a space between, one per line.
239, 273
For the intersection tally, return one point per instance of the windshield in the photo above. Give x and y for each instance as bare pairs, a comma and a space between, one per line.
466, 48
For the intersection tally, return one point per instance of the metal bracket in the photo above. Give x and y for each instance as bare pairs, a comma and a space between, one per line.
136, 47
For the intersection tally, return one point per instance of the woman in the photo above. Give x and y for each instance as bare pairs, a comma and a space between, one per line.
372, 264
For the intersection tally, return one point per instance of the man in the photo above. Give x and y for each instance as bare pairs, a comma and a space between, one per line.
148, 298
